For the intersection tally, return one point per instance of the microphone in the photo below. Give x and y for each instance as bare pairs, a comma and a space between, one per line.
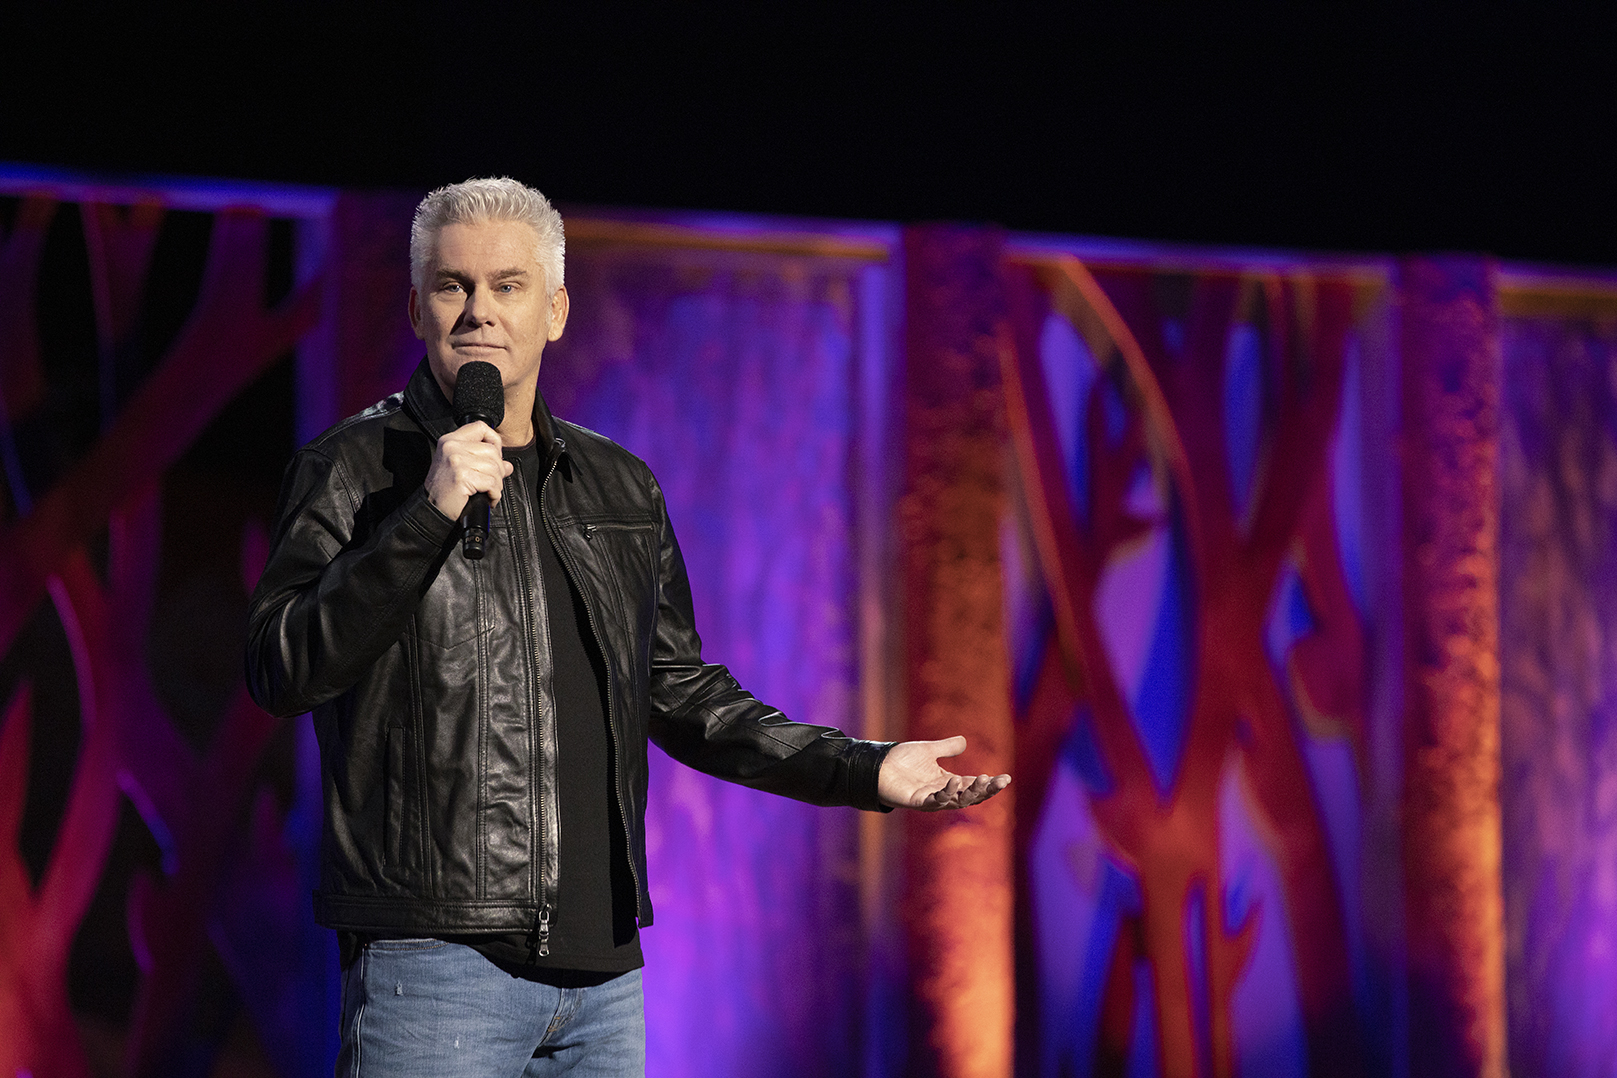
479, 395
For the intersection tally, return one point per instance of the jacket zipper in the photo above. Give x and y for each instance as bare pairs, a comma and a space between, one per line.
611, 727
539, 938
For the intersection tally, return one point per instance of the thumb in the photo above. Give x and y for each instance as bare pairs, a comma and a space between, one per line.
949, 746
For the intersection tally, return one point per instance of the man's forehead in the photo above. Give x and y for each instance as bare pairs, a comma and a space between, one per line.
453, 269
513, 244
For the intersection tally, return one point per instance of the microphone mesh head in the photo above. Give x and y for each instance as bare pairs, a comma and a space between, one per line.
479, 394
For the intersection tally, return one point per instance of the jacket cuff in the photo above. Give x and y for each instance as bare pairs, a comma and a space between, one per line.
864, 765
426, 518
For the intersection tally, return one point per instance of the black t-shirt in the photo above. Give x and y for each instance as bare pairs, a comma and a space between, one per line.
593, 928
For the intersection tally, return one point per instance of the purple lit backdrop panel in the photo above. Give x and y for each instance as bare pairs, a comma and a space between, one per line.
734, 377
1558, 614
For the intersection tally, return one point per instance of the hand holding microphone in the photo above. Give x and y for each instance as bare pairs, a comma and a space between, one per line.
467, 470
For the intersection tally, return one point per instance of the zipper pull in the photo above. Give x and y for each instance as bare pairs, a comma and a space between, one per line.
589, 532
544, 930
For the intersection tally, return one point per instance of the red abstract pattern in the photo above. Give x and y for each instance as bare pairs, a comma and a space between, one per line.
1241, 710
195, 805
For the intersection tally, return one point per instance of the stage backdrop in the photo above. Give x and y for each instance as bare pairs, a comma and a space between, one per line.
1234, 559
1559, 628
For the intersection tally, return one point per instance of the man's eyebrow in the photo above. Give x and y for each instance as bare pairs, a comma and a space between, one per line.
449, 273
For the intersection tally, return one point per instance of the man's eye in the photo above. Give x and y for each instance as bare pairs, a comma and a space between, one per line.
508, 287
450, 287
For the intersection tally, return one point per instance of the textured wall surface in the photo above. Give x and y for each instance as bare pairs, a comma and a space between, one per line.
958, 898
1454, 907
1559, 715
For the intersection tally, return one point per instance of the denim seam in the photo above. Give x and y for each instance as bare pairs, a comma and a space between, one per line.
359, 1015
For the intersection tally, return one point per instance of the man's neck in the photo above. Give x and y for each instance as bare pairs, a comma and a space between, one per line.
517, 427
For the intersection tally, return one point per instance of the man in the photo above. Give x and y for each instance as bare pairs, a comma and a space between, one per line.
483, 724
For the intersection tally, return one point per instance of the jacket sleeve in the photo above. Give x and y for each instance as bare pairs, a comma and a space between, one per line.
701, 717
330, 602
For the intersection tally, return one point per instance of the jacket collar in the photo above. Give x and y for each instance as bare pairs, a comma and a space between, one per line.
427, 403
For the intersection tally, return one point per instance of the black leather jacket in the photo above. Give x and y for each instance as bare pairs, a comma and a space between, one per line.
429, 675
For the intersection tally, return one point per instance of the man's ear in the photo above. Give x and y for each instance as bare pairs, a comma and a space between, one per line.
415, 314
558, 312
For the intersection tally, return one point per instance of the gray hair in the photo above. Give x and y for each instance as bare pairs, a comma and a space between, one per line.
498, 198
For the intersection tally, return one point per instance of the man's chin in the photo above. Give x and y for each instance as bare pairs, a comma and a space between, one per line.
459, 357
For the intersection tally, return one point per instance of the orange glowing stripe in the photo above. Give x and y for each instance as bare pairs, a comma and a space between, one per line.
605, 231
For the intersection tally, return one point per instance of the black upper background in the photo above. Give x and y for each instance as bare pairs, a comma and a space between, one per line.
1331, 127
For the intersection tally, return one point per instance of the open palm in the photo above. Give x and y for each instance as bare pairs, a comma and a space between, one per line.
911, 777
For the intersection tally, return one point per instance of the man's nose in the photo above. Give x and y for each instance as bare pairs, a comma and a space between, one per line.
475, 311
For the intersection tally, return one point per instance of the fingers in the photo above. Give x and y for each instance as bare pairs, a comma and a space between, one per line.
466, 461
961, 792
985, 786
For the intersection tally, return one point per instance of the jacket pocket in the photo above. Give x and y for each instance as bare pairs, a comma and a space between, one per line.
453, 610
625, 556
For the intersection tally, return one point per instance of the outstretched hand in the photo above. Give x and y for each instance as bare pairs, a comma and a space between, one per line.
910, 777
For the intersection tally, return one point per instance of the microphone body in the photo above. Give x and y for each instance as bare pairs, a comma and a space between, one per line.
474, 522
479, 395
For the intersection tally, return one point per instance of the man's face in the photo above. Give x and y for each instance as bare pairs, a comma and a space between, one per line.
483, 297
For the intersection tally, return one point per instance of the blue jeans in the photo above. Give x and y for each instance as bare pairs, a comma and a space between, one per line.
423, 1008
